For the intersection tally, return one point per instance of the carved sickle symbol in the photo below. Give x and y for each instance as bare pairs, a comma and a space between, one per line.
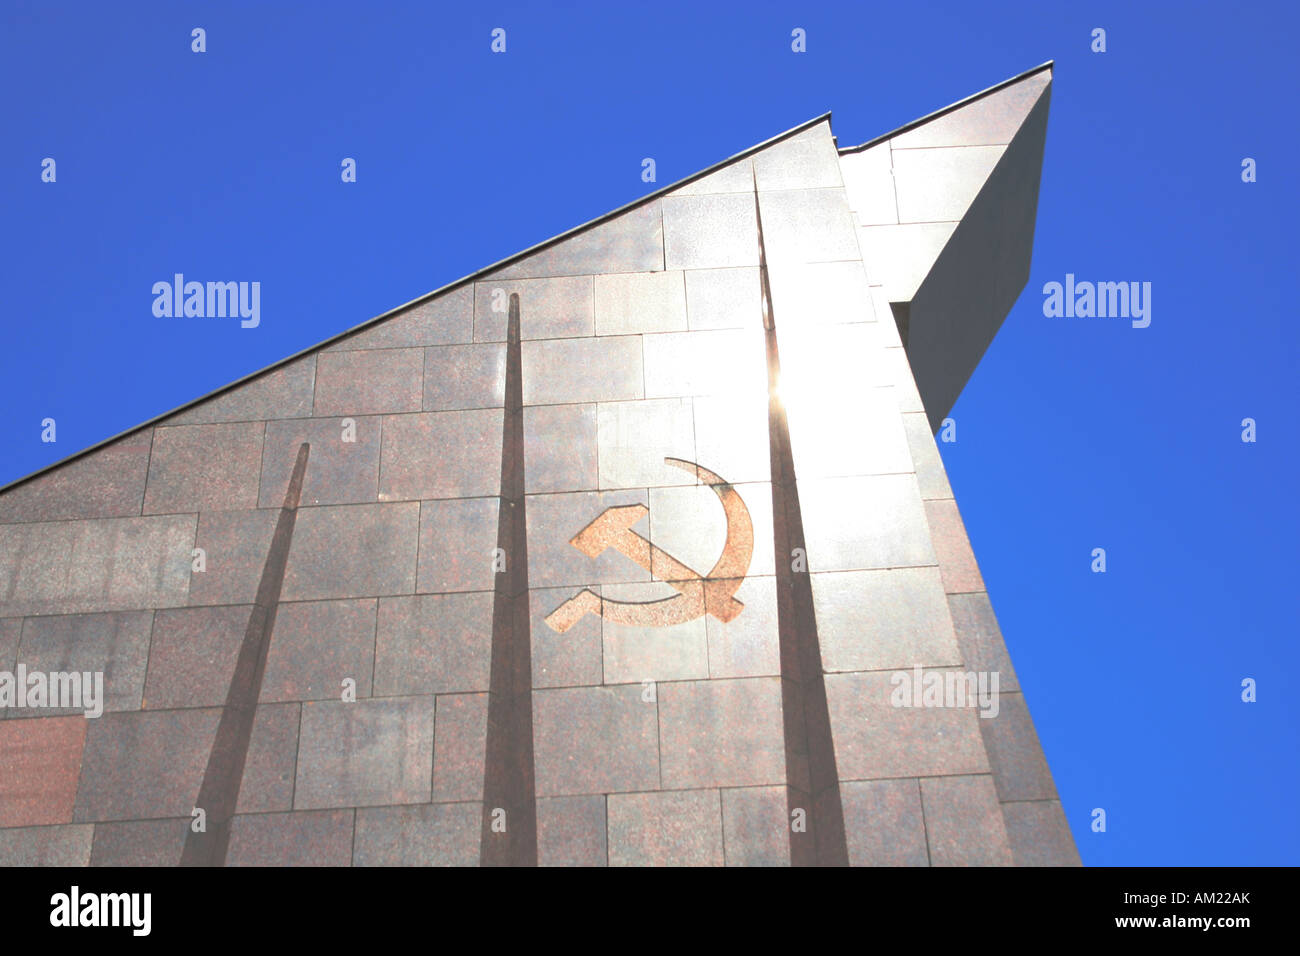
697, 595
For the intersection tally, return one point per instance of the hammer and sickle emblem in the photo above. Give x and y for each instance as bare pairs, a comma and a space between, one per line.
697, 594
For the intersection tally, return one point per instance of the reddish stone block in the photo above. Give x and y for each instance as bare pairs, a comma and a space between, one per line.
668, 828
956, 559
595, 740
320, 838
459, 745
369, 382
441, 455
40, 761
571, 831
963, 822
107, 483
204, 468
722, 733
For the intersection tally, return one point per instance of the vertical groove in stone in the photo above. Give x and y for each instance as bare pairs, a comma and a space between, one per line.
509, 782
812, 778
219, 792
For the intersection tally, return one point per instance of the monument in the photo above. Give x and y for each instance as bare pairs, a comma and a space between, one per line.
634, 548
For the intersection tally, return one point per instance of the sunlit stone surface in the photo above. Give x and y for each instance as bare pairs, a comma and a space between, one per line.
624, 576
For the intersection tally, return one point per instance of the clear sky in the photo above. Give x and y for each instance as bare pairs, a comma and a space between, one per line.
1074, 434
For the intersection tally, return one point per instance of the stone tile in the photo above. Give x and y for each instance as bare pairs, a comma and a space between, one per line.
446, 319
548, 308
46, 846
930, 473
962, 170
571, 831
732, 437
192, 656
568, 371
824, 371
884, 823
115, 644
349, 550
634, 438
886, 323
899, 373
859, 523
560, 448
204, 468
869, 182
749, 645
875, 740
721, 733
147, 764
980, 638
1019, 768
284, 392
464, 376
570, 659
993, 118
342, 465
806, 160
459, 747
458, 541
144, 764
139, 842
591, 740
629, 242
11, 629
106, 564
731, 362
316, 645
812, 294
441, 455
369, 382
956, 560
319, 838
676, 828
272, 754
640, 302
553, 521
434, 644
636, 654
235, 546
430, 835
822, 447
40, 760
689, 523
107, 483
887, 618
808, 225
963, 822
724, 298
898, 258
711, 231
737, 177
370, 753
1039, 834
755, 827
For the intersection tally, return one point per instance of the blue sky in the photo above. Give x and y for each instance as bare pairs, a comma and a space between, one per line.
1073, 434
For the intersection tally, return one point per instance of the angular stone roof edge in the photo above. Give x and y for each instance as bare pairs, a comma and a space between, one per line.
876, 141
454, 284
